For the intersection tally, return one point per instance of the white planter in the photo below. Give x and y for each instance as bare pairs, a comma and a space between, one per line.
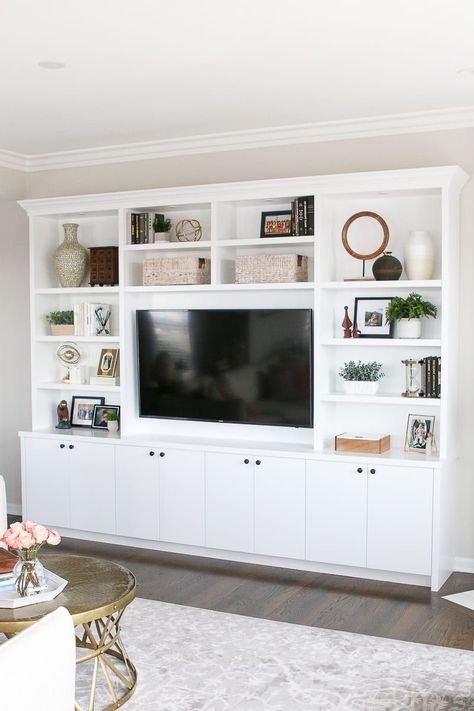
419, 255
361, 387
408, 328
162, 236
113, 426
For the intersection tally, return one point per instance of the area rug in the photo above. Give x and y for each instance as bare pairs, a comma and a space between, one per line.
199, 660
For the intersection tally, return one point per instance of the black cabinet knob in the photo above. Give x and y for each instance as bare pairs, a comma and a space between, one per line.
359, 470
162, 454
258, 462
372, 471
152, 454
246, 461
71, 446
62, 446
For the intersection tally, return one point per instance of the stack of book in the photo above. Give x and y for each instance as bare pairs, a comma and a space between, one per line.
92, 319
7, 563
431, 376
302, 216
141, 227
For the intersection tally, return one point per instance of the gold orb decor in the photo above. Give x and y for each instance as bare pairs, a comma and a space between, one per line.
188, 231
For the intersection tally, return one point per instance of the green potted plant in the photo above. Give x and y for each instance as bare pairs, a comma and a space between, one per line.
161, 228
361, 378
61, 323
407, 314
112, 421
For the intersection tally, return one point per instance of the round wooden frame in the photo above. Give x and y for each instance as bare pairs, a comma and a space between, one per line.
345, 230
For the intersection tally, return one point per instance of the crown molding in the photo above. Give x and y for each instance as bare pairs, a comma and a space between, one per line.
395, 124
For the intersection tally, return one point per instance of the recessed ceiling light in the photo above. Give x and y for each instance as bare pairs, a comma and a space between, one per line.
466, 72
51, 65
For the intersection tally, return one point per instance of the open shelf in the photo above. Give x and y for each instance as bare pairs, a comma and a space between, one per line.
399, 284
78, 339
165, 246
81, 387
79, 290
380, 399
383, 342
222, 287
266, 242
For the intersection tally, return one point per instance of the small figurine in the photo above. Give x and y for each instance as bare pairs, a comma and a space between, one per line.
355, 331
347, 323
63, 416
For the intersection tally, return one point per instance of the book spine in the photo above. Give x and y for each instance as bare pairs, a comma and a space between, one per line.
439, 377
435, 378
428, 377
146, 232
133, 234
310, 210
300, 217
293, 217
305, 216
422, 377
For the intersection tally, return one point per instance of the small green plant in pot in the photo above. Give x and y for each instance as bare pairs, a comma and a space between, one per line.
407, 314
161, 228
361, 378
112, 421
61, 323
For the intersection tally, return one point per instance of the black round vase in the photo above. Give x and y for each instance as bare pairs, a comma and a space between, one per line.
387, 268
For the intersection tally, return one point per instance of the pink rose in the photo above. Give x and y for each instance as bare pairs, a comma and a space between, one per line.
54, 538
40, 533
25, 540
29, 526
11, 541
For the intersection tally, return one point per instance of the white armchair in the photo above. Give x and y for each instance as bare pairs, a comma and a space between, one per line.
38, 666
3, 508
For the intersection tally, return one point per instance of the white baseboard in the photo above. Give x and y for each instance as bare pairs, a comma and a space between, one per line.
464, 565
14, 509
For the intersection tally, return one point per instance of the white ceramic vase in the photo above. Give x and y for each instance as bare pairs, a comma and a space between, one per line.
162, 236
361, 387
419, 255
113, 425
408, 328
71, 259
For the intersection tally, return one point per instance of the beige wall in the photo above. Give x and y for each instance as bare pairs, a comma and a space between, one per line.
429, 149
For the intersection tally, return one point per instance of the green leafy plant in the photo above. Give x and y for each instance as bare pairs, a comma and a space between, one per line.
60, 318
411, 307
161, 224
112, 416
362, 371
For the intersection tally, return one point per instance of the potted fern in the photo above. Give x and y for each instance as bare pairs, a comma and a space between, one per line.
361, 378
112, 421
161, 228
407, 314
61, 323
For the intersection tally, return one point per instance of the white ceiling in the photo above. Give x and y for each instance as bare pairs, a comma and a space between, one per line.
147, 70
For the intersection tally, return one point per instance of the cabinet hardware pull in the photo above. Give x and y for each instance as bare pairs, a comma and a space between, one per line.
152, 454
62, 446
359, 470
71, 446
246, 461
162, 454
258, 462
372, 471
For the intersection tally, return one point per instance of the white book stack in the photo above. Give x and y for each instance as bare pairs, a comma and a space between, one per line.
92, 319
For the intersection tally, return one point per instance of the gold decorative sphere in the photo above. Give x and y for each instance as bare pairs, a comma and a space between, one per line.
188, 231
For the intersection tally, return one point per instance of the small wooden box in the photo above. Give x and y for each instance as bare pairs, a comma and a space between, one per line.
104, 266
362, 443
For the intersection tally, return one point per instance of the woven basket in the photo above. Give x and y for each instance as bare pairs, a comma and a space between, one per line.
261, 268
166, 271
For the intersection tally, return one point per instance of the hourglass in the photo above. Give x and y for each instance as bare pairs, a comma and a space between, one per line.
412, 378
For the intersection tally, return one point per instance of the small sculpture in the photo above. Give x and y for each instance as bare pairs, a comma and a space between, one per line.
355, 331
188, 231
347, 323
63, 416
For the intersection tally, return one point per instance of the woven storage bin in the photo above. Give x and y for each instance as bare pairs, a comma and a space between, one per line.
260, 268
165, 271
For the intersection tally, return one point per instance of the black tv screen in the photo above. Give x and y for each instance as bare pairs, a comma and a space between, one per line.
241, 366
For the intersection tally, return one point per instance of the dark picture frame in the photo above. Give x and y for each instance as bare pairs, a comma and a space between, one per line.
369, 315
99, 418
276, 223
81, 407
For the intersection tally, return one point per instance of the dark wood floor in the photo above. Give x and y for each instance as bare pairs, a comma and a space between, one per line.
382, 609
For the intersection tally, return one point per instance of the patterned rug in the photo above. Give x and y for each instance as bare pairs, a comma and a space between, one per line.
198, 660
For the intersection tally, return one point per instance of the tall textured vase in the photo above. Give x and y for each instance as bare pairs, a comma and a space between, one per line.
419, 255
71, 259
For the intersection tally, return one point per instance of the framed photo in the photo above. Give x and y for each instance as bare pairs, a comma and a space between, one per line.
369, 315
108, 362
100, 417
276, 224
82, 410
420, 434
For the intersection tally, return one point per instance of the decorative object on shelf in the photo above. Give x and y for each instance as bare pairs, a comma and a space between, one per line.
113, 421
170, 271
355, 331
270, 268
277, 223
62, 411
430, 378
419, 255
420, 432
26, 539
302, 216
369, 313
92, 319
82, 410
69, 355
407, 314
108, 362
104, 266
361, 378
358, 255
161, 228
347, 323
387, 268
71, 259
188, 231
362, 443
61, 323
141, 226
412, 378
102, 414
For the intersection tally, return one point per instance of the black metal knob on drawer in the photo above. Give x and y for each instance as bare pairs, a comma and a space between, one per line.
258, 462
71, 446
359, 470
372, 471
62, 446
152, 454
246, 461
162, 454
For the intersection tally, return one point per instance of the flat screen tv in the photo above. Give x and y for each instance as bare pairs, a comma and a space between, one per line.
251, 366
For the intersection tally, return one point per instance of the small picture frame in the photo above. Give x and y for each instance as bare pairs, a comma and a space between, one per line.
420, 434
276, 223
108, 362
82, 409
100, 417
369, 315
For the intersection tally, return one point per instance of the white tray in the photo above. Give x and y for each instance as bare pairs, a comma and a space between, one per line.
9, 597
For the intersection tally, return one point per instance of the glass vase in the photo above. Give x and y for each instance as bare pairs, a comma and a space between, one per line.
30, 578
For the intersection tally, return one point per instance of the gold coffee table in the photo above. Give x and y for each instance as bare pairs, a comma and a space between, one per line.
96, 596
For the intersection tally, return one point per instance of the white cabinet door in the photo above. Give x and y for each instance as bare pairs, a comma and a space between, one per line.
182, 496
137, 491
92, 489
46, 478
400, 519
280, 507
229, 502
336, 513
